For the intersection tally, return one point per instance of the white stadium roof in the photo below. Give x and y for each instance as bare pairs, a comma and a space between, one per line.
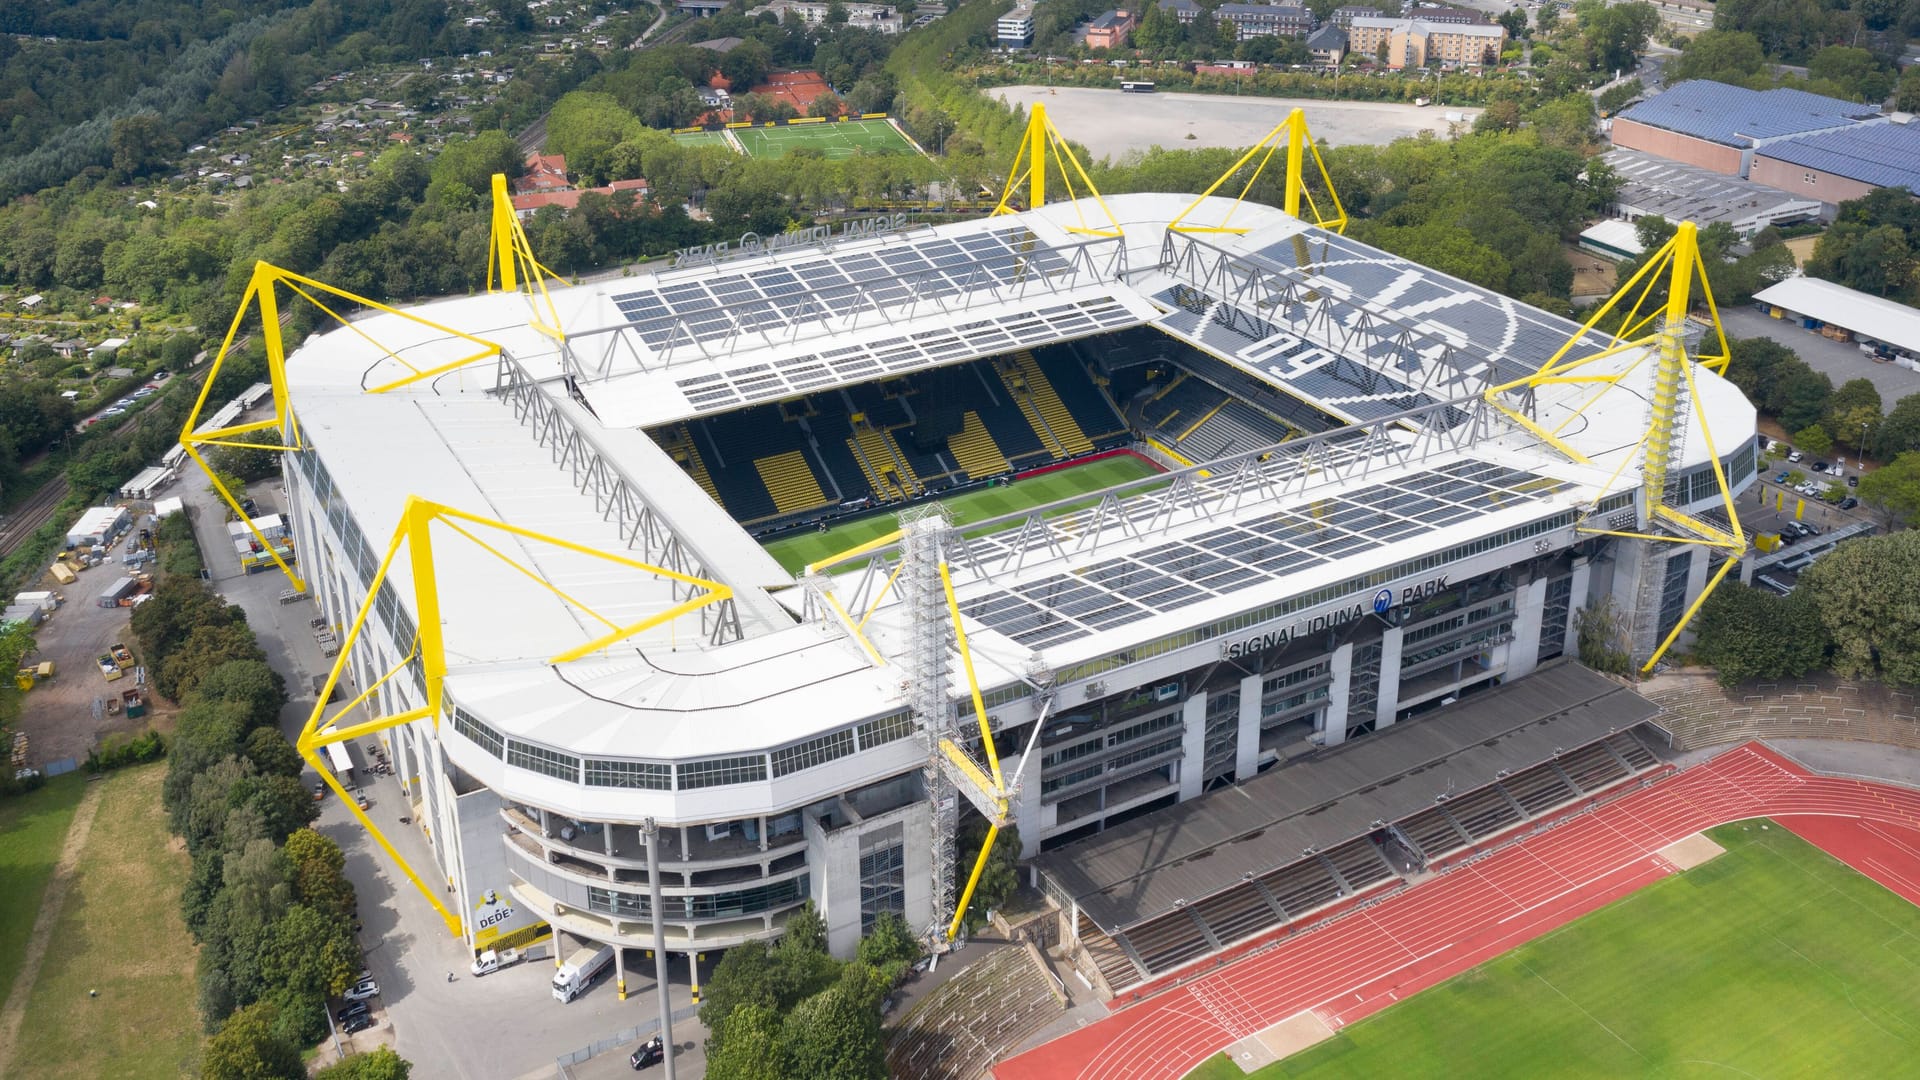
1359, 333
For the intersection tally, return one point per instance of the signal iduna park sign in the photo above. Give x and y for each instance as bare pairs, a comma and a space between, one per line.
1380, 604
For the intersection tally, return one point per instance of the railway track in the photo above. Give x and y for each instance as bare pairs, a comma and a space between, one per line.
26, 519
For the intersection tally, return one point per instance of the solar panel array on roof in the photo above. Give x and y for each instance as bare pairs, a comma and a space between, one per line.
1885, 155
1166, 577
1737, 116
770, 297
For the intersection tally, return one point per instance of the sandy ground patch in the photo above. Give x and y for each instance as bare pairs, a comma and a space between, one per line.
1279, 1042
1690, 852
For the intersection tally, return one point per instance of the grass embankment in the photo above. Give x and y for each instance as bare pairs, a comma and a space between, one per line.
32, 828
118, 932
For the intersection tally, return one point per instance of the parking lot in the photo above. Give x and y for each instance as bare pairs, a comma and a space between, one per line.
64, 717
504, 1026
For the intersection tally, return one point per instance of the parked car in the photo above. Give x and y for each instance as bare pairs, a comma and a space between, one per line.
357, 1024
319, 790
651, 1052
1795, 456
1853, 481
358, 1008
115, 411
362, 990
1849, 503
1782, 478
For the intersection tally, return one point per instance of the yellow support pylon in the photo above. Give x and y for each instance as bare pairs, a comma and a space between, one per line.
1299, 143
414, 532
279, 433
1679, 265
511, 264
1042, 143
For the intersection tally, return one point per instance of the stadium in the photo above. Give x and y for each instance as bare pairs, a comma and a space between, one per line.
1159, 527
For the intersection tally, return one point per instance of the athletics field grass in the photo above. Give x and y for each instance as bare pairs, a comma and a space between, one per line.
797, 550
1772, 960
833, 140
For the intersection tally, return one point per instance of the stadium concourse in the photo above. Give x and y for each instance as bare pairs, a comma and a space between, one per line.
1359, 962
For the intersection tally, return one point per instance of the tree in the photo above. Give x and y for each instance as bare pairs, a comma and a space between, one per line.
1746, 633
749, 1045
1001, 877
1894, 488
251, 683
206, 648
462, 176
246, 1048
1867, 593
1907, 97
1855, 73
1900, 431
746, 65
805, 930
1798, 395
826, 105
889, 942
320, 873
835, 1035
141, 143
381, 1064
1603, 638
271, 753
1728, 56
1855, 427
1813, 439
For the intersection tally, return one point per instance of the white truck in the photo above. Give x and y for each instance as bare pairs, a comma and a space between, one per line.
579, 971
494, 959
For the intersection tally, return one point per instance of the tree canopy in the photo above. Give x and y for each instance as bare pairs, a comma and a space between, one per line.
1867, 593
1747, 633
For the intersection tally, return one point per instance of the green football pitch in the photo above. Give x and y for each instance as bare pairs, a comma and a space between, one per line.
834, 140
1772, 960
796, 551
702, 138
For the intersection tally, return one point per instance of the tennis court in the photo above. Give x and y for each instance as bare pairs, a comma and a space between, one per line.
702, 138
834, 140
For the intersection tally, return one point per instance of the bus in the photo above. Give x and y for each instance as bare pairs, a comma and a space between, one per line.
1136, 87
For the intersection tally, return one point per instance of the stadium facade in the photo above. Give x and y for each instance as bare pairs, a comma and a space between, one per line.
1345, 535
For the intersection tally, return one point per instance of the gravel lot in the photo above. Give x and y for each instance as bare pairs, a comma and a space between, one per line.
1112, 124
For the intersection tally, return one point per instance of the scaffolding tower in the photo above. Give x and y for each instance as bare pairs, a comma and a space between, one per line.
923, 549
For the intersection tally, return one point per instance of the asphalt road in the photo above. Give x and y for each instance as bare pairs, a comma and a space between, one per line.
506, 1026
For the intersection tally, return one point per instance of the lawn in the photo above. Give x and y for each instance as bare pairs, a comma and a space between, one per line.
834, 140
1772, 960
796, 551
120, 933
31, 829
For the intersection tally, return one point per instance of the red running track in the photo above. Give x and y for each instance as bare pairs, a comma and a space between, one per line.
1361, 963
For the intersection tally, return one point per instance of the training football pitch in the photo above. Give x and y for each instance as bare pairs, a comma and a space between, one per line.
833, 140
796, 551
702, 138
1771, 960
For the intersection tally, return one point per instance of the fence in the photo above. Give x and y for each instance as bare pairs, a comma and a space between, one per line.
620, 1039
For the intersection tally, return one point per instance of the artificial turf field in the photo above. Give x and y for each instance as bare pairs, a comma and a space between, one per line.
833, 140
1772, 960
797, 550
702, 138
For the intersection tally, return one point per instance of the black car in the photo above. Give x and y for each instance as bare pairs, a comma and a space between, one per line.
1849, 503
651, 1052
1820, 466
357, 1024
358, 1008
1853, 481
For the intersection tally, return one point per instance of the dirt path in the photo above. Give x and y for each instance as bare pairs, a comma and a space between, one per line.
15, 1009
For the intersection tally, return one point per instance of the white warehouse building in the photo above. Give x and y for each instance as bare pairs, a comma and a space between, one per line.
1340, 537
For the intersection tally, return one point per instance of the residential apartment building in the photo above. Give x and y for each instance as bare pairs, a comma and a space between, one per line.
1015, 28
1414, 43
1266, 20
1110, 31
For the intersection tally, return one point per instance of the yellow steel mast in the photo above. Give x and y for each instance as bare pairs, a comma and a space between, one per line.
1673, 399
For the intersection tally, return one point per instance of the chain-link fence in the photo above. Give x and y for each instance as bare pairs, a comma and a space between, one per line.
621, 1039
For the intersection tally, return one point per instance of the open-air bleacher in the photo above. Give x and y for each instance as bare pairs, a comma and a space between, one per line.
1168, 941
1434, 832
1302, 886
1237, 913
1592, 767
1234, 428
1360, 864
1699, 712
1483, 812
1539, 789
1116, 968
974, 1018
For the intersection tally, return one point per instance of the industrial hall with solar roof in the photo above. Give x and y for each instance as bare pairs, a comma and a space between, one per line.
1344, 525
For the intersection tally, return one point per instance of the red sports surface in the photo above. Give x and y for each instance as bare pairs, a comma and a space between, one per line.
1364, 961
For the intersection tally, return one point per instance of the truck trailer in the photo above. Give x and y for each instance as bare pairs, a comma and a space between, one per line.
579, 971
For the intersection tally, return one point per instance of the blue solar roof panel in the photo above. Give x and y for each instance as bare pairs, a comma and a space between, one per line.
1886, 155
1736, 116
